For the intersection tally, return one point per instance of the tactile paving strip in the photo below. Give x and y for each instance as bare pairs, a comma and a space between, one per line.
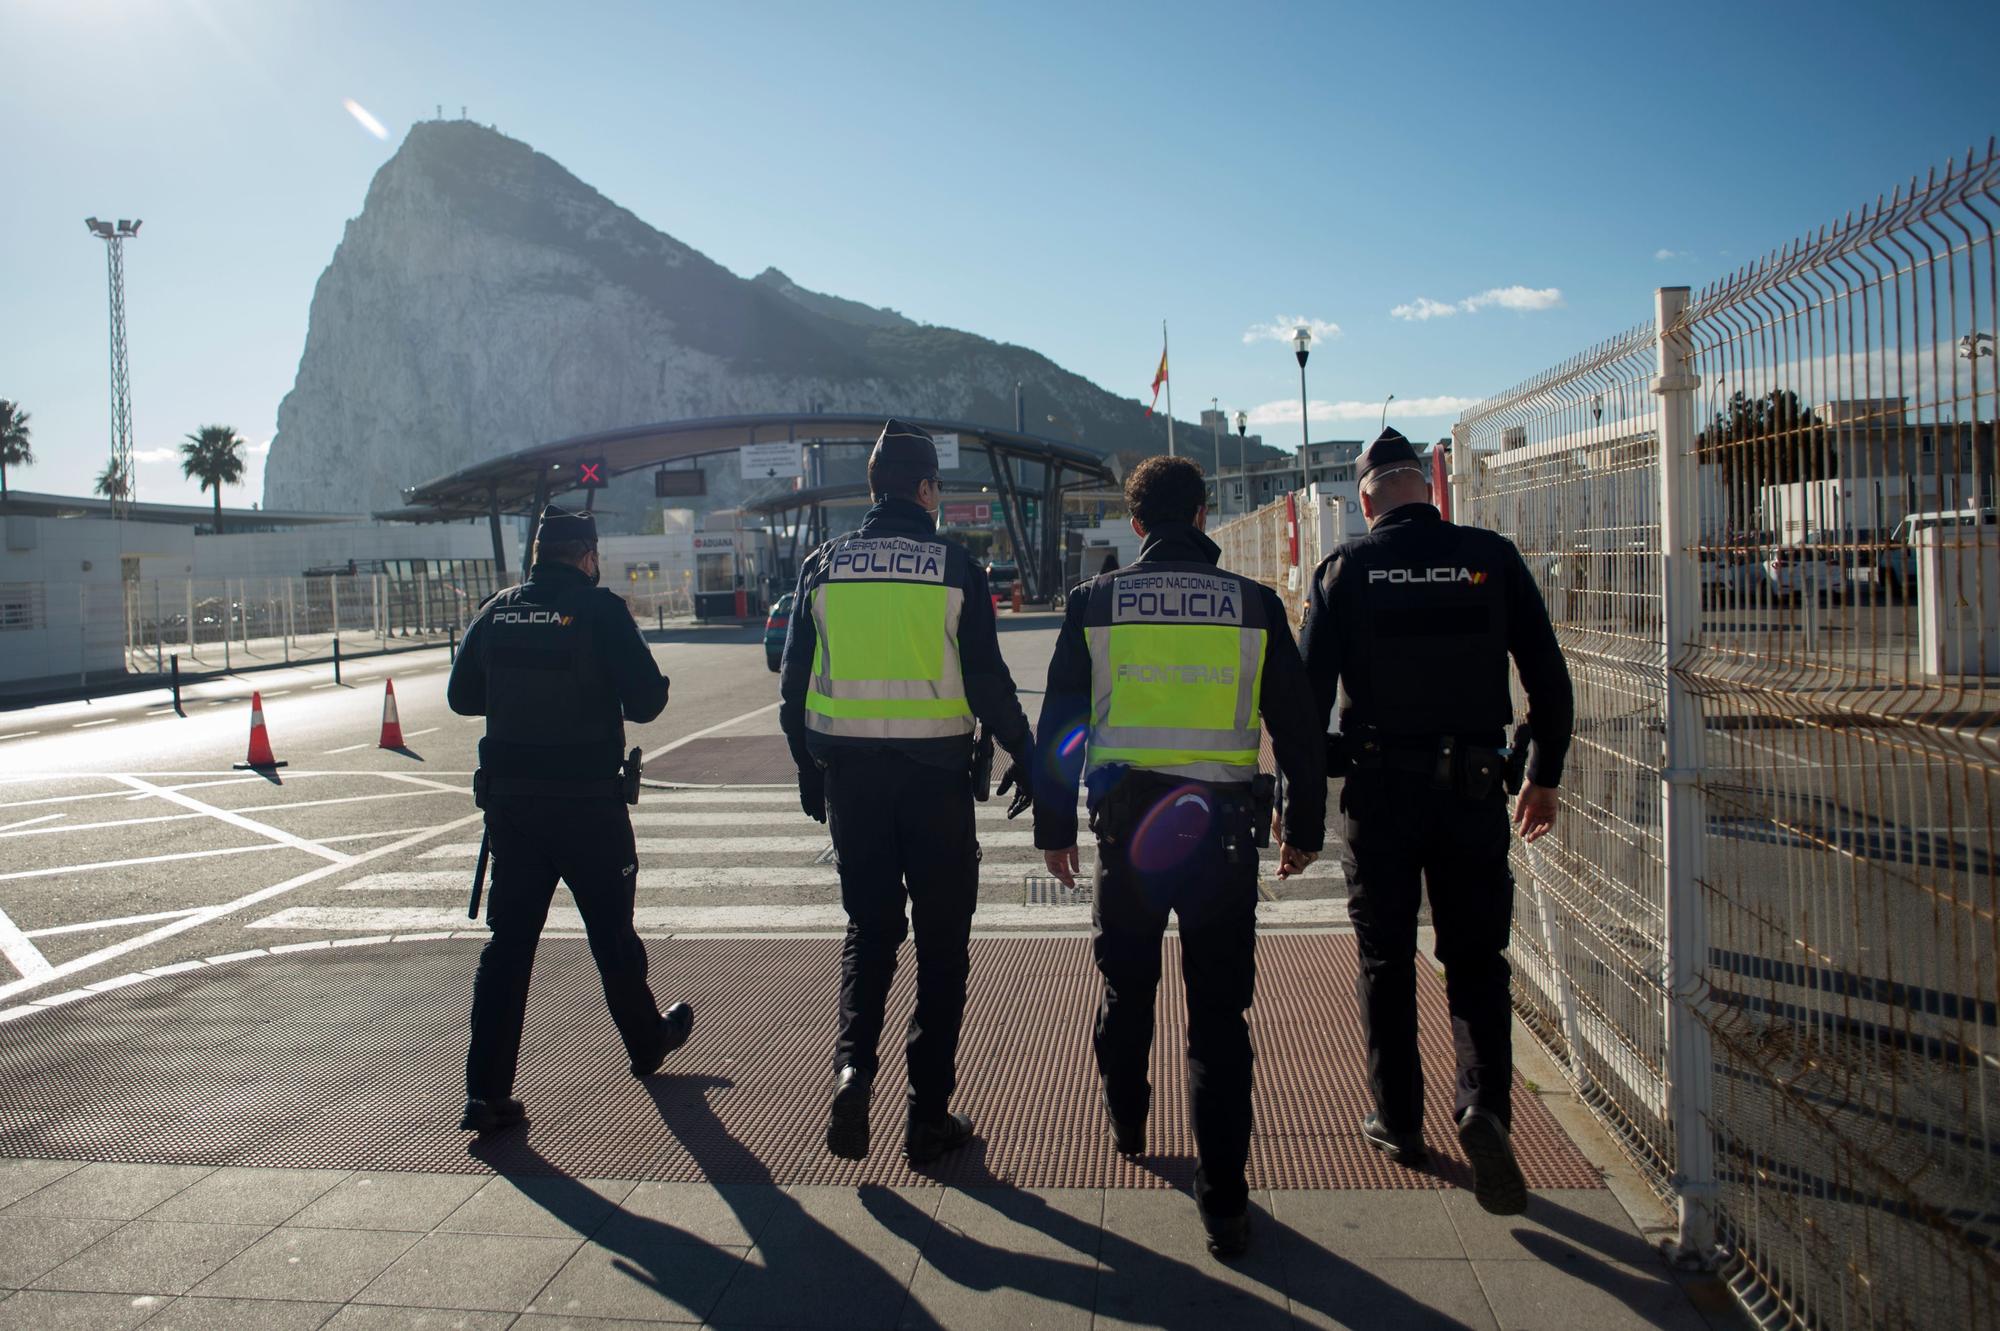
353, 1058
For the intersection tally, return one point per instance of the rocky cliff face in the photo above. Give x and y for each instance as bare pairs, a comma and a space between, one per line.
486, 300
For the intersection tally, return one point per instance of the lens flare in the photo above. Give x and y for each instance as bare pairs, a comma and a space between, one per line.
368, 122
1172, 830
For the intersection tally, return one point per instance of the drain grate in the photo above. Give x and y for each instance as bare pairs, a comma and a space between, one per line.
352, 1059
1040, 889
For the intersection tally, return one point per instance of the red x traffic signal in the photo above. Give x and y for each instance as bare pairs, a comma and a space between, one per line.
591, 474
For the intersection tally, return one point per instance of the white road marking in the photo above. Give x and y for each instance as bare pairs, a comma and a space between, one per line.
802, 875
412, 734
317, 687
89, 925
143, 859
235, 819
369, 836
739, 845
411, 778
702, 919
211, 913
704, 734
786, 796
107, 721
355, 799
88, 827
23, 955
431, 881
20, 734
349, 748
279, 694
29, 822
164, 711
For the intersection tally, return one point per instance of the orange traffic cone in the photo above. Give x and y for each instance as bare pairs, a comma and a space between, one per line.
1017, 598
260, 756
392, 726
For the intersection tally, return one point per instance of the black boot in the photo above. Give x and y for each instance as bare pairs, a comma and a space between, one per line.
492, 1115
1405, 1148
676, 1023
1128, 1134
1228, 1235
1497, 1184
847, 1119
926, 1140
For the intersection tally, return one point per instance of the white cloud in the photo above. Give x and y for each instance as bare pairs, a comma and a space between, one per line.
1287, 413
1507, 298
1281, 329
155, 454
1662, 255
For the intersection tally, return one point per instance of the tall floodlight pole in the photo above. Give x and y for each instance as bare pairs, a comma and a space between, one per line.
1302, 344
114, 236
1215, 429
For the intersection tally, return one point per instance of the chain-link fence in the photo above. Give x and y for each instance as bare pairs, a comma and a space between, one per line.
1763, 936
1273, 546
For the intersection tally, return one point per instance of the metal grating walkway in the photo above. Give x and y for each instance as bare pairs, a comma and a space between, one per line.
352, 1058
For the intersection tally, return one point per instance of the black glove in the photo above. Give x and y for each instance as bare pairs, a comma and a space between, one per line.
812, 793
1019, 778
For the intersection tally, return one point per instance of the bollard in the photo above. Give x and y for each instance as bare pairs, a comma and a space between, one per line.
660, 616
336, 660
454, 643
176, 659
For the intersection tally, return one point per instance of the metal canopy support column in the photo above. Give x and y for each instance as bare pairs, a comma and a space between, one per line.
1016, 521
499, 544
1052, 530
535, 518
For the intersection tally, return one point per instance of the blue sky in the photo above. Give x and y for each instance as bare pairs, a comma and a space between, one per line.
1057, 175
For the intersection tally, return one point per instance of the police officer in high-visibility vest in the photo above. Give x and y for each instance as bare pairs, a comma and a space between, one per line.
1165, 673
891, 655
557, 666
1413, 625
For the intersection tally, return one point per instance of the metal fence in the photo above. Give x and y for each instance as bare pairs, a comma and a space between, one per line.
1273, 546
1763, 936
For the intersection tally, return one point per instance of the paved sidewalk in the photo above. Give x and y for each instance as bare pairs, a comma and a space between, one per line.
184, 1093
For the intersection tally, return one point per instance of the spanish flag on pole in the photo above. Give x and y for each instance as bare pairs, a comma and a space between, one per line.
1159, 378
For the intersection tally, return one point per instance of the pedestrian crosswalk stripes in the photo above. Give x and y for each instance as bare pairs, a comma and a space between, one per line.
756, 851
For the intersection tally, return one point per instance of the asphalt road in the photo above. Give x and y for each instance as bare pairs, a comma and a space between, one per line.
128, 843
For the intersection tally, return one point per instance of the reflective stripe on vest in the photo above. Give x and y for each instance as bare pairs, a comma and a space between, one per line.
1177, 667
886, 665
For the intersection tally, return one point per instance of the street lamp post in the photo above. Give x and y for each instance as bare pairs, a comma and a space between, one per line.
1242, 469
1302, 344
1215, 429
1385, 410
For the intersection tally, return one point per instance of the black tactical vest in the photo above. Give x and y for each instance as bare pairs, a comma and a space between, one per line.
543, 682
1427, 617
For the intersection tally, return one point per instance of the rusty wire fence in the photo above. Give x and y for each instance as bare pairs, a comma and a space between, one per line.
1763, 937
1273, 546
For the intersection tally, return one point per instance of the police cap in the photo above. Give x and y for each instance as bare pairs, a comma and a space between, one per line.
1390, 449
902, 444
560, 525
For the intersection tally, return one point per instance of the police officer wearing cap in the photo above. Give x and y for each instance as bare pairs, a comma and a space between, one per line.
556, 666
891, 655
1412, 625
1164, 674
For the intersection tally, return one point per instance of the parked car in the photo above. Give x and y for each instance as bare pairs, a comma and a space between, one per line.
775, 625
1797, 571
1731, 578
1897, 565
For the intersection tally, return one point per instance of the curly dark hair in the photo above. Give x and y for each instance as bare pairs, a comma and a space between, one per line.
1164, 489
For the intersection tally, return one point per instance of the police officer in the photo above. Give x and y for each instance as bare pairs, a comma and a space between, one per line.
891, 654
1163, 673
555, 665
1413, 623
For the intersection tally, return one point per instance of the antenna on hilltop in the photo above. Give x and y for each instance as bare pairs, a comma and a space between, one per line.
440, 107
461, 113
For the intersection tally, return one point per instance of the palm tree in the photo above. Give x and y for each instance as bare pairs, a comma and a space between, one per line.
113, 483
14, 449
214, 455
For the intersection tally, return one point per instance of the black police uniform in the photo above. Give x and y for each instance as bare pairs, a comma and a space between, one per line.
1414, 624
899, 811
1208, 876
555, 665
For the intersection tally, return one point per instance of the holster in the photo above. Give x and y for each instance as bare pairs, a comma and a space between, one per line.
981, 770
480, 785
1471, 772
629, 773
1263, 807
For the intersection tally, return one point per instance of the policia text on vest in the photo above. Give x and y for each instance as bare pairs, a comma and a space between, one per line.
1165, 674
892, 657
556, 665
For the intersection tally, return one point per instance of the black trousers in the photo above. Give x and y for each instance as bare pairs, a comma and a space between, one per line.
901, 826
588, 844
1165, 846
1401, 834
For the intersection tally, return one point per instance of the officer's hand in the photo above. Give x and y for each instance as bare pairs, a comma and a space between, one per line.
1292, 861
1016, 779
1535, 810
812, 793
1064, 864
